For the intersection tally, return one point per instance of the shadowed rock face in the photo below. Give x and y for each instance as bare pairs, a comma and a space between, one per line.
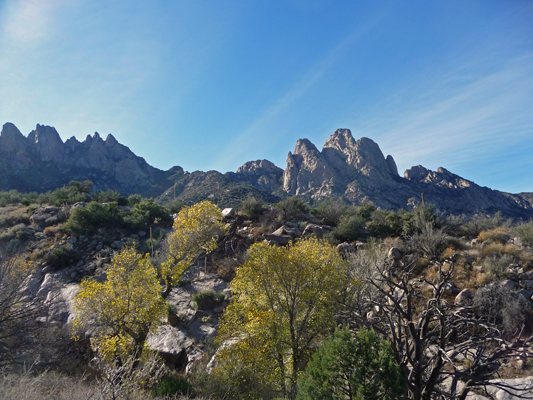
43, 162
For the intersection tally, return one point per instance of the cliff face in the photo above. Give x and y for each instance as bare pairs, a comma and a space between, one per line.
42, 162
345, 167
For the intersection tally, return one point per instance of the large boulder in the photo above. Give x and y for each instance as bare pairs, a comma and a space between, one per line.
464, 298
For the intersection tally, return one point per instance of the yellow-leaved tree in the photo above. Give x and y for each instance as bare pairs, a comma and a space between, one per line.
195, 232
284, 303
123, 309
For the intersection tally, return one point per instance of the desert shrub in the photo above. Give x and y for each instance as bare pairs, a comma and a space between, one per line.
428, 242
498, 264
349, 229
525, 233
330, 211
18, 232
73, 193
453, 225
360, 367
105, 196
134, 199
175, 206
172, 387
61, 257
497, 235
291, 208
504, 307
93, 217
499, 249
385, 223
208, 299
479, 223
226, 269
252, 207
10, 217
147, 213
425, 215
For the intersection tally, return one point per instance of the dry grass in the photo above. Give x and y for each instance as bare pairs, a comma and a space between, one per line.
11, 216
498, 235
500, 249
54, 386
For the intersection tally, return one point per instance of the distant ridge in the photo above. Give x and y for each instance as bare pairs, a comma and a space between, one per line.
354, 170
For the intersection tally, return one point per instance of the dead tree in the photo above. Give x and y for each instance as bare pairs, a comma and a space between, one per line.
444, 351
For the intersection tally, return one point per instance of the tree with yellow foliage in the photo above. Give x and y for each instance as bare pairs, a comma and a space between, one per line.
131, 302
195, 232
284, 304
122, 309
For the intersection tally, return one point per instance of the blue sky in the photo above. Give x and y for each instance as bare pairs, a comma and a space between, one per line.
213, 84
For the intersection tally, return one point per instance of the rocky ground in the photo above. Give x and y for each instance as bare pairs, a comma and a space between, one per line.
62, 261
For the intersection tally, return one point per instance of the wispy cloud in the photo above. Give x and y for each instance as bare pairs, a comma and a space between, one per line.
253, 135
464, 116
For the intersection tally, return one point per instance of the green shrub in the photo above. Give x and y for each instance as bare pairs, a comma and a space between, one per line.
208, 299
525, 233
172, 387
147, 213
73, 193
60, 257
105, 196
365, 209
345, 367
349, 228
15, 197
134, 199
498, 264
291, 208
252, 207
93, 217
175, 206
385, 223
330, 211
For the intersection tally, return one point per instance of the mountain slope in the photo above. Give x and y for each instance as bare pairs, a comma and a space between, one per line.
354, 170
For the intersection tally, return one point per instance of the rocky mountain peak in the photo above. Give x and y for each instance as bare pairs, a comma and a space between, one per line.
343, 160
46, 142
262, 174
11, 138
340, 140
416, 173
304, 147
259, 166
110, 140
9, 130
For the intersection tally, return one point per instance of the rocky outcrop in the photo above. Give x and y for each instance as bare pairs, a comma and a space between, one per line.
342, 161
261, 174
